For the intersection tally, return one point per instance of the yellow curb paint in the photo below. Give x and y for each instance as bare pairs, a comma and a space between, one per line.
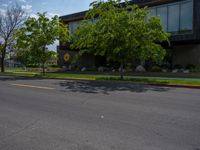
32, 86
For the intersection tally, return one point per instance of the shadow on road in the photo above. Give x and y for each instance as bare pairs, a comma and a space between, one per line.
105, 87
93, 87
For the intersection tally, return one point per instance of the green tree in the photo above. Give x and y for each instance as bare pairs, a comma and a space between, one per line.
39, 33
53, 58
25, 57
120, 33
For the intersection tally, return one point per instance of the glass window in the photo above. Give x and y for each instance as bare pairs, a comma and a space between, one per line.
173, 18
186, 18
70, 27
152, 12
162, 13
73, 26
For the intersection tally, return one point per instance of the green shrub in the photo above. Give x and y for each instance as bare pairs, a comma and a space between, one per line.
190, 66
195, 69
129, 67
53, 65
155, 69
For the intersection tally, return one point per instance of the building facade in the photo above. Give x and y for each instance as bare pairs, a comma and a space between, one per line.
181, 18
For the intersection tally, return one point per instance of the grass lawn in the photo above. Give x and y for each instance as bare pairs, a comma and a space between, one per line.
159, 78
146, 74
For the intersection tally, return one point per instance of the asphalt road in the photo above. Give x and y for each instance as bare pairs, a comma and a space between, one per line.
40, 114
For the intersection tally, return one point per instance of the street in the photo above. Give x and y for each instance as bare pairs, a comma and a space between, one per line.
48, 114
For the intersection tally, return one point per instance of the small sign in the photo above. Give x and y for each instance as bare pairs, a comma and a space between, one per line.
67, 57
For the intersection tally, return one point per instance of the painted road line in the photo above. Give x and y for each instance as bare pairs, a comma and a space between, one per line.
32, 86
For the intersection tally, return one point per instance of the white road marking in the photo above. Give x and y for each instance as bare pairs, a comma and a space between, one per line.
32, 86
102, 117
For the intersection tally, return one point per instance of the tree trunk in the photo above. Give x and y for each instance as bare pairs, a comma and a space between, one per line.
121, 71
2, 58
43, 61
3, 53
2, 64
43, 68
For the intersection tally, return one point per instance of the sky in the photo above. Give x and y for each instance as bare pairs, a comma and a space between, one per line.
52, 7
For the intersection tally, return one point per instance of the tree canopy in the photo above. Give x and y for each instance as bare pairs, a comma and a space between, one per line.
38, 33
120, 32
